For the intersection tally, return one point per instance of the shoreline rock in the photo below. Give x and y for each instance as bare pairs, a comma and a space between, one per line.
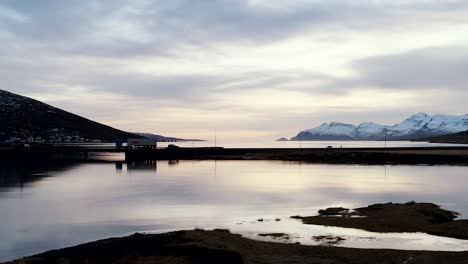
394, 217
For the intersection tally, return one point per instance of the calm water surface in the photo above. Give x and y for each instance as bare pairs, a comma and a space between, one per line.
55, 206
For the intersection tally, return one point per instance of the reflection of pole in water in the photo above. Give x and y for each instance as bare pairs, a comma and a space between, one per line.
300, 169
118, 167
129, 171
215, 170
385, 155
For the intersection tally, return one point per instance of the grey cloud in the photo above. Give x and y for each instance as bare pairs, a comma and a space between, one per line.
430, 68
129, 28
50, 75
202, 89
39, 36
75, 27
78, 26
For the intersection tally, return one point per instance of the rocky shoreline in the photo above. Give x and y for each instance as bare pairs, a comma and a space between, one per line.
220, 246
393, 217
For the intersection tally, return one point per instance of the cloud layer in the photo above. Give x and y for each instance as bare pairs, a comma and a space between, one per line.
250, 68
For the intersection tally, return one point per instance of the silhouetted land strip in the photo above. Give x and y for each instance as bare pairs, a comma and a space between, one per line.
410, 217
431, 156
424, 155
220, 246
458, 138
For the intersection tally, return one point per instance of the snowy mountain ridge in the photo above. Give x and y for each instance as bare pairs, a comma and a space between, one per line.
418, 126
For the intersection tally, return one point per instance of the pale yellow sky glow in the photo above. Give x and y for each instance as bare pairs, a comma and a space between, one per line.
250, 69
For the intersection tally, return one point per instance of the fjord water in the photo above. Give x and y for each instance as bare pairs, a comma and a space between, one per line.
53, 206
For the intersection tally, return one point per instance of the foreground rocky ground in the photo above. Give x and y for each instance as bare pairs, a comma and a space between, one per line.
220, 246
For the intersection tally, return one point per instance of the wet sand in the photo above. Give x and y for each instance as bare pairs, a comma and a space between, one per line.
220, 246
409, 217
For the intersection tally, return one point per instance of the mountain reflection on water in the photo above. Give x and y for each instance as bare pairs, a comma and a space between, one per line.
20, 174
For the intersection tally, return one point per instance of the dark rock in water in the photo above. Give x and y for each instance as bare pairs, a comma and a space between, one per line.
276, 235
334, 211
438, 216
394, 217
282, 139
329, 240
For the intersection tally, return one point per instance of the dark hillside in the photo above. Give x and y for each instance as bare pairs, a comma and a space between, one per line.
458, 138
24, 118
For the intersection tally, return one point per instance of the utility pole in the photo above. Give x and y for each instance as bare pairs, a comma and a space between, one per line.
385, 151
215, 139
385, 131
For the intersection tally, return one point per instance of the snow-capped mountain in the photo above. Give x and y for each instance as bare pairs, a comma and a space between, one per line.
418, 126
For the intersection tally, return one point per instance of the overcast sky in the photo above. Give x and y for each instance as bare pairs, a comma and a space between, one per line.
249, 68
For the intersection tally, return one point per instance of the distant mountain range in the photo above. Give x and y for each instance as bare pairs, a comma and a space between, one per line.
165, 139
23, 119
419, 126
